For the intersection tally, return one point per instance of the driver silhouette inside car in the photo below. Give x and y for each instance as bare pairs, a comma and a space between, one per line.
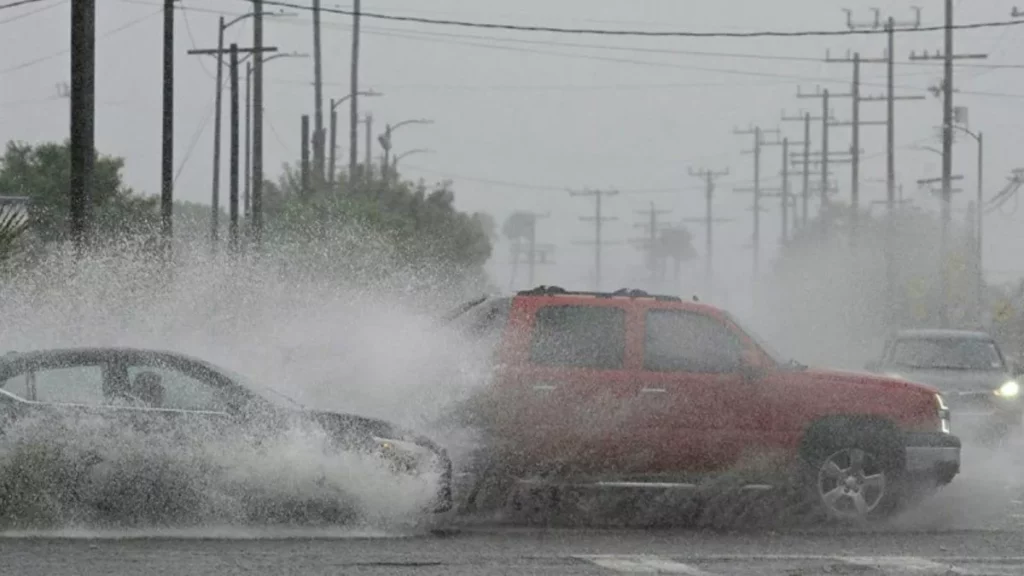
148, 389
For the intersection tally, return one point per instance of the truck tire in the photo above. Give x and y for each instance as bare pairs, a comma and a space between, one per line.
854, 470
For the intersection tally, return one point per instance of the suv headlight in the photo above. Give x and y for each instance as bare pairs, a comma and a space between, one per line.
1009, 390
943, 413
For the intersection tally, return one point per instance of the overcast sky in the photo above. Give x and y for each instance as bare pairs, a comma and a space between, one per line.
521, 117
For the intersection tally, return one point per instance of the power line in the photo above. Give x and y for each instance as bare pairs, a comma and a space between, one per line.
639, 33
33, 12
19, 3
106, 34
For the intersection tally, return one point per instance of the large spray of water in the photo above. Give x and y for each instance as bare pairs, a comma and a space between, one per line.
284, 319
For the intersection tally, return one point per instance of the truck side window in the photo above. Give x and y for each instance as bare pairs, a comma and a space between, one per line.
579, 337
677, 341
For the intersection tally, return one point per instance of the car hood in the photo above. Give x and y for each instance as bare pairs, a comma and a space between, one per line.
956, 380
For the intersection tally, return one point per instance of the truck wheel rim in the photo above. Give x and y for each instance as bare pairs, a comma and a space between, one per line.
851, 483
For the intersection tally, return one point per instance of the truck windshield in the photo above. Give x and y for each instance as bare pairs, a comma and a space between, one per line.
763, 344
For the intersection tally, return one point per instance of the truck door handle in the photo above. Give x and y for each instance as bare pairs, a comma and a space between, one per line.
544, 386
652, 391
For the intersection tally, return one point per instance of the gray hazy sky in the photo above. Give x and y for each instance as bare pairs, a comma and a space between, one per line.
521, 117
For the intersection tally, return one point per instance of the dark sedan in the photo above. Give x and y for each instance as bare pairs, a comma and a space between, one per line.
968, 367
140, 386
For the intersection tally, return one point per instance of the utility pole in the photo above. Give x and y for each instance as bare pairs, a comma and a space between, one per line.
890, 99
83, 107
233, 205
805, 174
233, 53
826, 112
947, 58
651, 241
782, 192
855, 123
368, 170
246, 203
305, 156
709, 222
257, 124
758, 133
598, 219
353, 159
167, 153
318, 99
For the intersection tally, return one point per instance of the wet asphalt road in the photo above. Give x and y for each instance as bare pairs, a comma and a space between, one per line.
527, 551
974, 526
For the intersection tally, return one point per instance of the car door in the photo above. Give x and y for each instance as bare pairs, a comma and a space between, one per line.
696, 396
570, 378
185, 395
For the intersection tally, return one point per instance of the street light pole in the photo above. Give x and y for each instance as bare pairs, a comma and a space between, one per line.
385, 142
332, 163
394, 164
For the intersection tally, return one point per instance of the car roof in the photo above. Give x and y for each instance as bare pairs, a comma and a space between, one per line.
624, 293
937, 333
89, 350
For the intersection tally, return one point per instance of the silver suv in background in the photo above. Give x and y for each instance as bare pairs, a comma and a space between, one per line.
977, 381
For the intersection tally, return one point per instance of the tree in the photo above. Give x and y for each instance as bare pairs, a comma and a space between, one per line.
390, 230
42, 173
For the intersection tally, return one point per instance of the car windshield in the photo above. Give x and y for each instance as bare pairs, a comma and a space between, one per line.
266, 392
946, 354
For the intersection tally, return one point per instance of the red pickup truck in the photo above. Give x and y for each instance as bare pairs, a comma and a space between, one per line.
635, 391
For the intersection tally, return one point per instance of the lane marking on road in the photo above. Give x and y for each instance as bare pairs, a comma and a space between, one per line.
907, 563
643, 564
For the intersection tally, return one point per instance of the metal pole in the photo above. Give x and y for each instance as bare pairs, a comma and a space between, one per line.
215, 198
757, 200
785, 190
368, 169
305, 156
247, 201
981, 222
824, 149
333, 153
233, 200
83, 106
709, 235
807, 168
947, 161
353, 159
597, 243
167, 153
257, 124
855, 152
318, 100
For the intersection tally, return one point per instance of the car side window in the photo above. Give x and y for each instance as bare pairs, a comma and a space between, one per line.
17, 385
579, 337
679, 341
70, 385
166, 387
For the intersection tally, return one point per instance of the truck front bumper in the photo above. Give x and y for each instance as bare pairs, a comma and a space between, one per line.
933, 454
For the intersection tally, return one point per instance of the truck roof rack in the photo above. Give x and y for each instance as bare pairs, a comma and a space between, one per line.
621, 293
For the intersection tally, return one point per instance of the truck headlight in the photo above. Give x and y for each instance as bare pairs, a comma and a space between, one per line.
1009, 390
944, 414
